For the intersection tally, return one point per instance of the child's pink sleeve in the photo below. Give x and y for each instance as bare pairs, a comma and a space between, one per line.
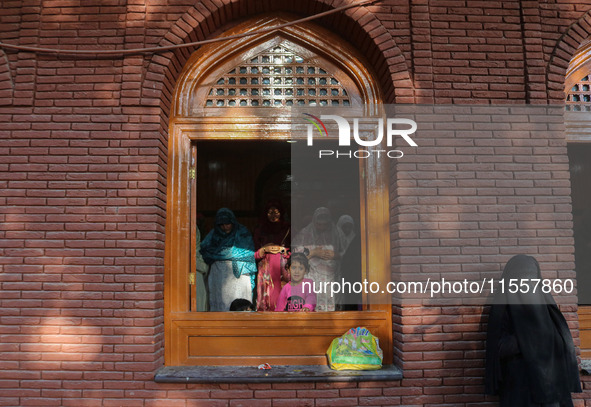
282, 299
257, 256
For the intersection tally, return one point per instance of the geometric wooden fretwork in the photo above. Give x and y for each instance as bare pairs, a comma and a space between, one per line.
578, 97
277, 77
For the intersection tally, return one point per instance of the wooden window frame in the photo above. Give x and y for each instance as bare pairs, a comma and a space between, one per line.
227, 338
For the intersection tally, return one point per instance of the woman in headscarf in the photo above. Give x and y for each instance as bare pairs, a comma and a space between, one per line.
229, 250
350, 269
271, 240
347, 227
324, 243
530, 355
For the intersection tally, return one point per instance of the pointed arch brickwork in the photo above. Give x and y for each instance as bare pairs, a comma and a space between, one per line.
6, 83
562, 54
359, 26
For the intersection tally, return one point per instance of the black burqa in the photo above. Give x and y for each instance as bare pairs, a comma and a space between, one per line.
530, 355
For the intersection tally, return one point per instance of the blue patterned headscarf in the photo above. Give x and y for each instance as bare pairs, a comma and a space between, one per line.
236, 246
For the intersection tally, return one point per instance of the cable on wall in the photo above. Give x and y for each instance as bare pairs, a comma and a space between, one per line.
177, 46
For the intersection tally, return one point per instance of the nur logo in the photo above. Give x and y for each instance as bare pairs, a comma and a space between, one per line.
390, 129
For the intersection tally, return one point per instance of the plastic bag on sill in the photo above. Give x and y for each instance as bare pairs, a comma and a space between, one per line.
357, 349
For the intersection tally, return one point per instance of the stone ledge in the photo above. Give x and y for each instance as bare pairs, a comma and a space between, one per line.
278, 374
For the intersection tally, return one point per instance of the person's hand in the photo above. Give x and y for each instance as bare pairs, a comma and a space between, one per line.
273, 249
326, 254
315, 252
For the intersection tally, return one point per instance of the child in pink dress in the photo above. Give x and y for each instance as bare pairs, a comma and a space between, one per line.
297, 295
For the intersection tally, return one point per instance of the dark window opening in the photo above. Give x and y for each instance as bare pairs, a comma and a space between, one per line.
244, 176
580, 173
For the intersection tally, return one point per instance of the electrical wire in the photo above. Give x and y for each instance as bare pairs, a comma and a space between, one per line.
177, 46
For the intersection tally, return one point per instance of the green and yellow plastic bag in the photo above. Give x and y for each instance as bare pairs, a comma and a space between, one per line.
357, 349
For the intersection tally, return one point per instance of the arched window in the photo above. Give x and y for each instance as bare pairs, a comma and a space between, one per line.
227, 145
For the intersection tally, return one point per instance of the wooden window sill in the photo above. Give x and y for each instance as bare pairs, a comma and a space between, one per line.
278, 374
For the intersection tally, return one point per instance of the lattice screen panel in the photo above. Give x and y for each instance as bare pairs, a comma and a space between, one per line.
277, 77
578, 98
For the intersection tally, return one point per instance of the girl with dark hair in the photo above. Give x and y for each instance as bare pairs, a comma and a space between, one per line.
297, 295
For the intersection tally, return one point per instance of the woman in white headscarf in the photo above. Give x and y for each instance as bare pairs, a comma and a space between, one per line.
324, 244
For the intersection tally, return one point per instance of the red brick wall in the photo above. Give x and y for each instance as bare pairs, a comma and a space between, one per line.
83, 146
465, 202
